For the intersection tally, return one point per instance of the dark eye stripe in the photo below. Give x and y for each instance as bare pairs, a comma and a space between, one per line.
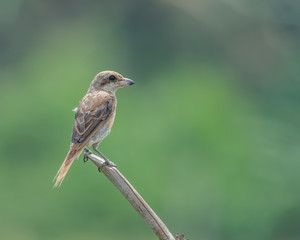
112, 77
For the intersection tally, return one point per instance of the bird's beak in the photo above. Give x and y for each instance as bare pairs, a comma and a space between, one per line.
126, 82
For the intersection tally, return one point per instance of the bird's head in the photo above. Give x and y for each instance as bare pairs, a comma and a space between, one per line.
109, 81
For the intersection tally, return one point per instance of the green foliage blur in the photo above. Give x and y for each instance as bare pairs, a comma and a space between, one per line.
209, 135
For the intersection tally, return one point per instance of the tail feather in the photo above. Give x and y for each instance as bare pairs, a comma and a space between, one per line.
63, 170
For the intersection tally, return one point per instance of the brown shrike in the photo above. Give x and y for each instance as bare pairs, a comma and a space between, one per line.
94, 118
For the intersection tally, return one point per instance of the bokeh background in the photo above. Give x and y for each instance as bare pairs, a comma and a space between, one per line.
209, 135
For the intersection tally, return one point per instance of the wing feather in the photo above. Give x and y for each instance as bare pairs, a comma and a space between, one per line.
87, 120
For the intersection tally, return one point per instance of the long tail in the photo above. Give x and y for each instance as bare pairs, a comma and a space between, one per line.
63, 170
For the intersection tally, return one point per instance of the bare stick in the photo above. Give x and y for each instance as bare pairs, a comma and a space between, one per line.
135, 199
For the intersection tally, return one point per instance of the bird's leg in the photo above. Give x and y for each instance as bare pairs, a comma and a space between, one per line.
86, 154
107, 162
97, 151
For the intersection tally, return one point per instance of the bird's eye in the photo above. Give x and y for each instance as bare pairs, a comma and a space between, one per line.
112, 77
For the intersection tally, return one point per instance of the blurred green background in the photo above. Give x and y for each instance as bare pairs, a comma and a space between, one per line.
209, 135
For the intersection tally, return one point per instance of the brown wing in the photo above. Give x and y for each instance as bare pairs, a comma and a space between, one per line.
87, 120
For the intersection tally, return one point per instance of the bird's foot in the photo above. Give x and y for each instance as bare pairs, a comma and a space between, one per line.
106, 163
86, 154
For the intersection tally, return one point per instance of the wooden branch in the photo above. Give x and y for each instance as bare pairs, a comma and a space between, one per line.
135, 199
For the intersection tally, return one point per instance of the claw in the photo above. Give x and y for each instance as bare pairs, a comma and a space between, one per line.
110, 163
100, 166
86, 155
106, 163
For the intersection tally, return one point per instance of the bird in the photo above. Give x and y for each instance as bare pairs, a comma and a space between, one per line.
93, 120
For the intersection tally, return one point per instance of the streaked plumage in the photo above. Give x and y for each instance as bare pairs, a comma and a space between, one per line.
94, 117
